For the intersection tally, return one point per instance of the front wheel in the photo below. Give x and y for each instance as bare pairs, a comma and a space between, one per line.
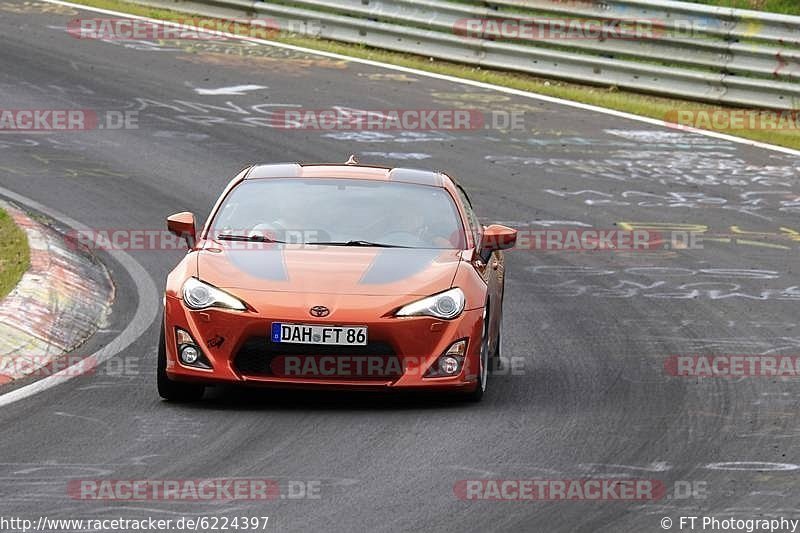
483, 367
496, 359
174, 391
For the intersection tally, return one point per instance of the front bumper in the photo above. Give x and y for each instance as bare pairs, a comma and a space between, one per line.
238, 348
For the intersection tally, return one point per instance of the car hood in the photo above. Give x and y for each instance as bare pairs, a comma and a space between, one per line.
327, 269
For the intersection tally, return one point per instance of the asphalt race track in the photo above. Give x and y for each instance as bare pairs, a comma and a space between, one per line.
588, 332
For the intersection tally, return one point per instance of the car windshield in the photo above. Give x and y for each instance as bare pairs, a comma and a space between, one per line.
340, 212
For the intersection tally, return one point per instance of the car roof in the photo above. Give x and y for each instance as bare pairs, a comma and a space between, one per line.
347, 171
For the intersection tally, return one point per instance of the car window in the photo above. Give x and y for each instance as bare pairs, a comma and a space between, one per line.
342, 210
474, 224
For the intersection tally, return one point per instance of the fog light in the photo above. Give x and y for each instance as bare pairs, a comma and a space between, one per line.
189, 354
448, 365
450, 362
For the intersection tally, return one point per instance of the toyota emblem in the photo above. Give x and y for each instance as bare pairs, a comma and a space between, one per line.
319, 311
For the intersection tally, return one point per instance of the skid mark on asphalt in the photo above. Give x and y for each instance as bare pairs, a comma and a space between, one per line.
169, 427
109, 428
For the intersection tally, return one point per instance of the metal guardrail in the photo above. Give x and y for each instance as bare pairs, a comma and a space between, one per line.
721, 21
730, 56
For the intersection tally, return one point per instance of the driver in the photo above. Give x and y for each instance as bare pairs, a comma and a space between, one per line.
279, 222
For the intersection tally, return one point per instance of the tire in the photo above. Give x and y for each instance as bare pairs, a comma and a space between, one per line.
496, 361
174, 391
483, 368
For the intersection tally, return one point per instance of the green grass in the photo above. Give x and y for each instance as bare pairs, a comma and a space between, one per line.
612, 98
789, 7
14, 253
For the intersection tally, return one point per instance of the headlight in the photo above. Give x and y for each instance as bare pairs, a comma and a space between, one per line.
446, 305
199, 295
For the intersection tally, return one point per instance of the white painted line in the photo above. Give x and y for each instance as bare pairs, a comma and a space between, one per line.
444, 77
146, 310
236, 90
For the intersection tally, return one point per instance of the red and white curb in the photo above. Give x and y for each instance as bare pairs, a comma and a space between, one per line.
63, 298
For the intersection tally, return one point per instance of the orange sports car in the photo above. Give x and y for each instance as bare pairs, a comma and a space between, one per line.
335, 276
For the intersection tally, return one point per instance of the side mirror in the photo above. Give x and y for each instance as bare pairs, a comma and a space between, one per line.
182, 225
497, 237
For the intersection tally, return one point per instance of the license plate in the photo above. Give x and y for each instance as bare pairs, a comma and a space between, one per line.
314, 334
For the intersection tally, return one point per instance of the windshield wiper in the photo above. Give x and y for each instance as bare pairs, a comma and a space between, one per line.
248, 238
358, 243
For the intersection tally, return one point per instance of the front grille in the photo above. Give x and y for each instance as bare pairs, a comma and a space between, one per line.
256, 356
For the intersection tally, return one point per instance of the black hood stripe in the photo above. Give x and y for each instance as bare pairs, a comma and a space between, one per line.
395, 264
265, 264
